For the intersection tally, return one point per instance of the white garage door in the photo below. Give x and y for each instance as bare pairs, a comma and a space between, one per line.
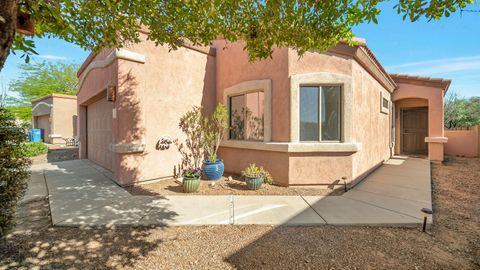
99, 133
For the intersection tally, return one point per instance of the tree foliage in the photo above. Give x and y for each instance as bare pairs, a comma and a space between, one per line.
13, 169
301, 24
38, 80
461, 112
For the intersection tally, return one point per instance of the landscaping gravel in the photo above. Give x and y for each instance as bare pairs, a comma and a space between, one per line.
453, 242
235, 186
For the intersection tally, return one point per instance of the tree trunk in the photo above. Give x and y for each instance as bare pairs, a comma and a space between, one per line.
8, 24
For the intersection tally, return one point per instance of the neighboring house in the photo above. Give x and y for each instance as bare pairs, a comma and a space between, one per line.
309, 120
56, 114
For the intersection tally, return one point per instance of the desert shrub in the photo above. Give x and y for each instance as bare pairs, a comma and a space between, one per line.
13, 170
191, 123
267, 177
33, 149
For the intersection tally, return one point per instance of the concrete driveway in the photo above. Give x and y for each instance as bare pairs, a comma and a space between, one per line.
82, 193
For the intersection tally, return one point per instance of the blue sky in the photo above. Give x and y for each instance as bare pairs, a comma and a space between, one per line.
449, 48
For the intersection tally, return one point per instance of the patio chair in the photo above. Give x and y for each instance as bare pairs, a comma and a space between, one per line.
71, 141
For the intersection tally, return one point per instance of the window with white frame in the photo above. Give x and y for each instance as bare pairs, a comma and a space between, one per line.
246, 114
320, 113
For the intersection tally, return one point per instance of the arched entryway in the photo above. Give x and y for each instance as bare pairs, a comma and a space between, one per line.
419, 116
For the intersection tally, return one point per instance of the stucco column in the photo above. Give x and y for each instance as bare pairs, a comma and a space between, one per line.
436, 138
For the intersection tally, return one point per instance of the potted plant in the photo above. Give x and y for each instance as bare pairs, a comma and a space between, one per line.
191, 180
213, 133
253, 176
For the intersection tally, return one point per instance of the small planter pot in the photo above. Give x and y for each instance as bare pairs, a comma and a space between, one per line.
190, 184
254, 183
213, 170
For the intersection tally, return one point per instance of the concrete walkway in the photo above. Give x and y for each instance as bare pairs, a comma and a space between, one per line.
81, 193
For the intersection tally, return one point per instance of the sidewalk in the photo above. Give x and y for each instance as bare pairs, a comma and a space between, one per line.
81, 193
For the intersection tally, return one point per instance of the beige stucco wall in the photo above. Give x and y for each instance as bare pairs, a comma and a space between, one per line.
57, 115
434, 97
64, 118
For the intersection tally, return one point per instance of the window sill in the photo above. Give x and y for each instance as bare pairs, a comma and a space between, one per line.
295, 147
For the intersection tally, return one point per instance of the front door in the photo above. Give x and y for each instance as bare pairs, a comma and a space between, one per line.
414, 129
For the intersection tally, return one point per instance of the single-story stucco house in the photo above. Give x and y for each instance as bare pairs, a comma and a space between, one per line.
309, 120
56, 114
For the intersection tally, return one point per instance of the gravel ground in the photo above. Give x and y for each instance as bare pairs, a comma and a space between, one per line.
236, 186
453, 242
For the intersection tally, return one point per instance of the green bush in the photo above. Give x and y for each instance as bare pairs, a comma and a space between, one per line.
13, 170
33, 149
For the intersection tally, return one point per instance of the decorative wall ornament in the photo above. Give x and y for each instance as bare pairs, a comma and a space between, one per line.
164, 142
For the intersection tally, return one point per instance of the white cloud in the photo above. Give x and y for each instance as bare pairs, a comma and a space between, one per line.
439, 66
52, 57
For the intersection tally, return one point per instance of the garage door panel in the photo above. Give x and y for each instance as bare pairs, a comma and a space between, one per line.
99, 133
43, 122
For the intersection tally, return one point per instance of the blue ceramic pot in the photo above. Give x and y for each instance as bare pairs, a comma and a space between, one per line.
213, 170
254, 183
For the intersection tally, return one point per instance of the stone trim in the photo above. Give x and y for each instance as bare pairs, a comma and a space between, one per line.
322, 78
114, 55
444, 84
294, 147
127, 148
41, 103
251, 86
53, 96
436, 139
365, 58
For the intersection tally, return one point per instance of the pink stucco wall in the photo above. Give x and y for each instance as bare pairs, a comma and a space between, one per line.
152, 98
463, 142
90, 90
233, 67
371, 127
434, 97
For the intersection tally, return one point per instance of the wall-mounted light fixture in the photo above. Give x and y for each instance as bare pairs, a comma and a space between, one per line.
111, 93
